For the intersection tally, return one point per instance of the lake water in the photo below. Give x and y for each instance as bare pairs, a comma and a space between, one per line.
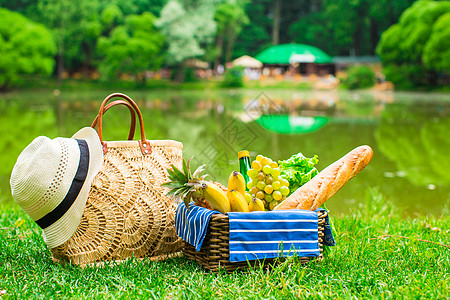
409, 133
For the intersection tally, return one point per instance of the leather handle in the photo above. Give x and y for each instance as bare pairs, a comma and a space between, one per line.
143, 143
132, 115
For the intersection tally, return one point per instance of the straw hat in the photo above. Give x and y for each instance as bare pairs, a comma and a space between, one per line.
51, 181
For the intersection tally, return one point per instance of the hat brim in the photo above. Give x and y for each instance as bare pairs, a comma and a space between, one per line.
60, 231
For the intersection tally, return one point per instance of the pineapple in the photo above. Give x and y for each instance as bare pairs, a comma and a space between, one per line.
189, 186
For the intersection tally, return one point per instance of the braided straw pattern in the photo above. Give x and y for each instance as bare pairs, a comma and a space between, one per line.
127, 211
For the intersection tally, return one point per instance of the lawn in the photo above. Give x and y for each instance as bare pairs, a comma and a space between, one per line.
33, 83
380, 254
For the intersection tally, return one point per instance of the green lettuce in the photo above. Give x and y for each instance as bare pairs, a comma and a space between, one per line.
298, 170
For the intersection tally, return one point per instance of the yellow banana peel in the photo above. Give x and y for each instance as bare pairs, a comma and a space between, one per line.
256, 205
237, 201
236, 182
216, 197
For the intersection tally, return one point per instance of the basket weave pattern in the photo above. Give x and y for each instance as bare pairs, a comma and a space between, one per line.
214, 254
127, 212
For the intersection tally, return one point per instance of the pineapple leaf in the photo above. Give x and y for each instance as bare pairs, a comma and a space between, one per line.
182, 183
186, 167
186, 194
192, 183
179, 175
178, 192
173, 191
173, 183
198, 171
189, 173
172, 176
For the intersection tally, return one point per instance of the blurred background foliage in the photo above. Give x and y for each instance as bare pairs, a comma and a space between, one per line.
26, 47
358, 77
99, 38
417, 49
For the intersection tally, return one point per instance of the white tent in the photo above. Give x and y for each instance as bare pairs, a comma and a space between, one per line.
247, 62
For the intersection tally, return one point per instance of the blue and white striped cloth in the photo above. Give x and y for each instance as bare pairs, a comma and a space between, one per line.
255, 235
191, 225
259, 235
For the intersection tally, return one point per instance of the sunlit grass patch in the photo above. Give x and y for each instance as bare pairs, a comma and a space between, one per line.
379, 254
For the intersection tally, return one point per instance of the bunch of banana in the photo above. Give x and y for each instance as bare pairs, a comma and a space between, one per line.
236, 195
192, 186
212, 193
236, 191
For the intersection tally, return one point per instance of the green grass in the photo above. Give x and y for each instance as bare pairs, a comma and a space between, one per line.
39, 83
379, 255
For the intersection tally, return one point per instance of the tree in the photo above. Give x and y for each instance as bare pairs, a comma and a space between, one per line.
110, 17
133, 48
25, 7
25, 48
255, 35
134, 7
436, 53
276, 22
342, 27
75, 27
230, 18
188, 27
410, 49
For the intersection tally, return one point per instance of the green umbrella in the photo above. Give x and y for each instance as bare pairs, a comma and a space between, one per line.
291, 124
293, 53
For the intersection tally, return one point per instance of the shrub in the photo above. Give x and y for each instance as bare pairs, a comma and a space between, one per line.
233, 77
359, 77
190, 75
406, 77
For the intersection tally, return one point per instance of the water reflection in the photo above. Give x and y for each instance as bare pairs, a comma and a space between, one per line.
291, 124
18, 127
415, 137
409, 133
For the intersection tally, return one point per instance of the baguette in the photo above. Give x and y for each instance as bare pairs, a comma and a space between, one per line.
329, 181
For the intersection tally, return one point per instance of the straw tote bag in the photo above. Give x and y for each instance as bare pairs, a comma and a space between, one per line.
127, 211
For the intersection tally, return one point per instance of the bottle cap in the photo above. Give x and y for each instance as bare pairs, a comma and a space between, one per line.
243, 153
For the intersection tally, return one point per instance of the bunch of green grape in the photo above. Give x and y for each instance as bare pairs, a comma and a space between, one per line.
266, 183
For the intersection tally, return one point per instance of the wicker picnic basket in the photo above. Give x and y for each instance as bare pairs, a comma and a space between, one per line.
127, 211
214, 253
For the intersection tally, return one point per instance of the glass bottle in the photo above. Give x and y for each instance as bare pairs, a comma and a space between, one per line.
244, 165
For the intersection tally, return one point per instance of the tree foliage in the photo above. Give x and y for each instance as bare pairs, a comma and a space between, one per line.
25, 48
230, 19
414, 50
436, 53
359, 77
110, 17
131, 48
221, 30
254, 36
75, 27
188, 26
342, 27
134, 7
